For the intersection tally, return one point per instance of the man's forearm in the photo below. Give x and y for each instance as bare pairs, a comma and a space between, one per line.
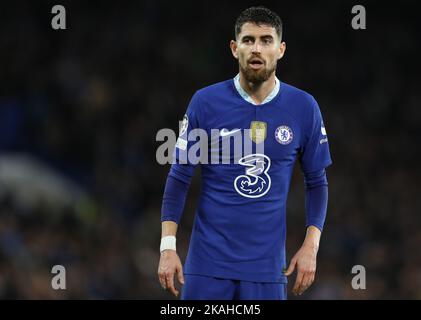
168, 239
169, 228
316, 198
312, 238
175, 193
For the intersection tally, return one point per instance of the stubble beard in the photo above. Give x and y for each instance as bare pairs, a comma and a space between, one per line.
257, 76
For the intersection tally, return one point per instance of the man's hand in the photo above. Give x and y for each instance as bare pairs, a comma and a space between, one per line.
305, 261
170, 265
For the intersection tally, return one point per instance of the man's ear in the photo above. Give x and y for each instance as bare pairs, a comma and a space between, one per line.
233, 46
282, 49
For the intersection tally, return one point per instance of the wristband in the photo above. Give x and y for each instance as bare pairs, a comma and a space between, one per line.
167, 243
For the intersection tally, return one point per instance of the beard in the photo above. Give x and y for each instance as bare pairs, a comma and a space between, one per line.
257, 76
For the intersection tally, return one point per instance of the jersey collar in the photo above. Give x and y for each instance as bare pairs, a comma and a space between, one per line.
246, 96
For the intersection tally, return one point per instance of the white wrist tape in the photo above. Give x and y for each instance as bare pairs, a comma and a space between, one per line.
167, 242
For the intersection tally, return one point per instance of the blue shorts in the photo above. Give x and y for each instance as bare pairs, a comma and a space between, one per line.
209, 288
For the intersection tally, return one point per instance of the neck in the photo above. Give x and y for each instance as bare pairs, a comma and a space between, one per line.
258, 91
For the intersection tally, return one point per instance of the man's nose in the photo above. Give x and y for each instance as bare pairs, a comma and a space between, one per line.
257, 48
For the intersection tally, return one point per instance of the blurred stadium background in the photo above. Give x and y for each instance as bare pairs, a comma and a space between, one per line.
80, 108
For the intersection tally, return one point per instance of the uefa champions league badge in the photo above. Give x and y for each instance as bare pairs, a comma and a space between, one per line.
283, 135
184, 125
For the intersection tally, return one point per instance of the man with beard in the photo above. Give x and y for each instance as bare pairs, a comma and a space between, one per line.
237, 247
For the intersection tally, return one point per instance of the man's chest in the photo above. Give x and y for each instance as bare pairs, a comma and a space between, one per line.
255, 131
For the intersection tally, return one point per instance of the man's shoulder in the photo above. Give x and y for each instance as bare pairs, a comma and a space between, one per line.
219, 89
211, 99
300, 101
295, 93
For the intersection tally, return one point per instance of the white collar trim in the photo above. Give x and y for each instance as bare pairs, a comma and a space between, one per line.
247, 97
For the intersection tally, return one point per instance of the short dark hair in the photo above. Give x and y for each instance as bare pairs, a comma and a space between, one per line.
259, 15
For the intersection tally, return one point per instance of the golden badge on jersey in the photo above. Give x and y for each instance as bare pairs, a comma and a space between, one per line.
258, 131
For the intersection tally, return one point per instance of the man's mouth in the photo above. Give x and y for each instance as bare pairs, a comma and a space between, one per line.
256, 63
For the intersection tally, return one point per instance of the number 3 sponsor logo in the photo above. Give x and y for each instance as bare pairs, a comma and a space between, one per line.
256, 182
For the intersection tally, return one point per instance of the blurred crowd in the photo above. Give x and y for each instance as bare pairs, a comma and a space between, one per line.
85, 105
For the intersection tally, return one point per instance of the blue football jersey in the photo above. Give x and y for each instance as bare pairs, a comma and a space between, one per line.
240, 226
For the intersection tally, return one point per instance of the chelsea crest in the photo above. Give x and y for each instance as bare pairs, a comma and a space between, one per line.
284, 135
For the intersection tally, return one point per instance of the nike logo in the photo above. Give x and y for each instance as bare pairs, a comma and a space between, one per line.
224, 132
